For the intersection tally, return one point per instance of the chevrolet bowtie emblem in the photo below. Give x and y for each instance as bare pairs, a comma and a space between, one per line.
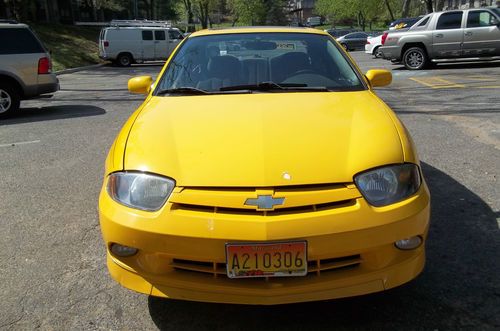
264, 202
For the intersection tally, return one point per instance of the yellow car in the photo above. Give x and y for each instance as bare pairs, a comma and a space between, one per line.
263, 169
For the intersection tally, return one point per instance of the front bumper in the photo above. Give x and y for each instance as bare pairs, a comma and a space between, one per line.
355, 230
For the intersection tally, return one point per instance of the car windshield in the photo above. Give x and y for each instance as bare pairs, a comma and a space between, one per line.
265, 62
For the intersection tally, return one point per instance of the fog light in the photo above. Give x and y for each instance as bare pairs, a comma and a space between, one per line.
409, 243
123, 251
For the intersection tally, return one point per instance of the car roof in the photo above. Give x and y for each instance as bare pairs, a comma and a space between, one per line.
12, 25
257, 29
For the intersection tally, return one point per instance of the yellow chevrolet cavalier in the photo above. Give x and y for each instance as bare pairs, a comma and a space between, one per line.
263, 169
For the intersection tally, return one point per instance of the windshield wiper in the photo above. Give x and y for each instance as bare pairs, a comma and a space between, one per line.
272, 86
183, 90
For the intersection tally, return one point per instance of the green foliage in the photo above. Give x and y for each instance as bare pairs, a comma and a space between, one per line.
250, 12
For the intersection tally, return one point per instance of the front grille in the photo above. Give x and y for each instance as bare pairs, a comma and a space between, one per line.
231, 201
314, 267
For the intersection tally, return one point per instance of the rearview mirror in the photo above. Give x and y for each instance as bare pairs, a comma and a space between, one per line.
140, 84
379, 77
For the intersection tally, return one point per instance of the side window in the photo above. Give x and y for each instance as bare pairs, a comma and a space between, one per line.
159, 35
450, 21
147, 35
424, 22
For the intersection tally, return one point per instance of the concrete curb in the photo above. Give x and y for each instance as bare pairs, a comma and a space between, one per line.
72, 70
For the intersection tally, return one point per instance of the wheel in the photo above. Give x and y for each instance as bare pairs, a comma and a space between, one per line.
124, 59
415, 58
377, 53
9, 100
345, 47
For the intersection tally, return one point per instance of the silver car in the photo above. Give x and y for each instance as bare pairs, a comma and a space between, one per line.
25, 67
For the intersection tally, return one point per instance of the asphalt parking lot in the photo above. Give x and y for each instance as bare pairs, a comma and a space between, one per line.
52, 259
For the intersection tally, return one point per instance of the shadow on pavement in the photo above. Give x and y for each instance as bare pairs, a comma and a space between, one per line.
37, 114
455, 65
458, 289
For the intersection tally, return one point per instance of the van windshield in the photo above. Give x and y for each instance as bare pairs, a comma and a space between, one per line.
273, 61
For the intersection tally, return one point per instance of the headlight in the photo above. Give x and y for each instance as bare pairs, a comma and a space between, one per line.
383, 186
140, 190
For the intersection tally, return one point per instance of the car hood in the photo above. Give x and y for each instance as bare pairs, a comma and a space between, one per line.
262, 140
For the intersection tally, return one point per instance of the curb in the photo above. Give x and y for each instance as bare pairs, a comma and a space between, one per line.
72, 70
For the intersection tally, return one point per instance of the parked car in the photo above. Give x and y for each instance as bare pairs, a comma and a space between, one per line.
336, 33
373, 44
267, 173
450, 36
127, 43
353, 41
403, 23
25, 67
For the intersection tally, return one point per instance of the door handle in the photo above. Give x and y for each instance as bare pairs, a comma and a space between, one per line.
439, 35
468, 33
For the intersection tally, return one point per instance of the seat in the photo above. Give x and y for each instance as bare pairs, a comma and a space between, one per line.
255, 71
285, 65
222, 70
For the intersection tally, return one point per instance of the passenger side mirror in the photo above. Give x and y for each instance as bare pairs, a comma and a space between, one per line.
379, 77
140, 84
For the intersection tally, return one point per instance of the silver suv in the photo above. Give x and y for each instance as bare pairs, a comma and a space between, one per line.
25, 67
450, 36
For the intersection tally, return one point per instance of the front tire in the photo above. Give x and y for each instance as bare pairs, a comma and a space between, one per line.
415, 58
10, 100
345, 47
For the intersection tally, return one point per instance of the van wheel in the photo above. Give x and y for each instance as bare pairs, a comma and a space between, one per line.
415, 58
9, 100
124, 59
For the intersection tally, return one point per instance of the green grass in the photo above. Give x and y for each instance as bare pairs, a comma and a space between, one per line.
70, 46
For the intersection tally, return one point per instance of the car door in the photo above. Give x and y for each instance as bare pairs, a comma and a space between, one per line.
161, 45
481, 34
148, 45
356, 40
448, 36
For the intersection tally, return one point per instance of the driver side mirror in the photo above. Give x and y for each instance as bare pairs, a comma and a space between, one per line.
140, 84
379, 77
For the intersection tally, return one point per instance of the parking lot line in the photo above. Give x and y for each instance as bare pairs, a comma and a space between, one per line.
436, 82
20, 143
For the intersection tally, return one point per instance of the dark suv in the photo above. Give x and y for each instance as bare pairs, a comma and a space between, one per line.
25, 67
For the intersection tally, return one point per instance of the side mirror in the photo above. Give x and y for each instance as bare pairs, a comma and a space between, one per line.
140, 84
379, 77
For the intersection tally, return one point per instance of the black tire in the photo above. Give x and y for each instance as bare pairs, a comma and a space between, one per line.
415, 58
124, 60
377, 53
345, 47
10, 99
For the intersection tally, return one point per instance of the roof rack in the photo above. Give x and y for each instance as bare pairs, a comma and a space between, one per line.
8, 21
163, 24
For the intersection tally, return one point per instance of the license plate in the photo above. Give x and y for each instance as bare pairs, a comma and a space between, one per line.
278, 259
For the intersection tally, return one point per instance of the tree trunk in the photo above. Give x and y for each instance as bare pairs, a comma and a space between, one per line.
439, 5
389, 9
428, 6
406, 8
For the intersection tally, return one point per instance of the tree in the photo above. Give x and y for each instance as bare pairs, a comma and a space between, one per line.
252, 12
365, 11
406, 8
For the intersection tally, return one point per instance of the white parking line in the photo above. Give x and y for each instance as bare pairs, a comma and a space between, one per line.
20, 143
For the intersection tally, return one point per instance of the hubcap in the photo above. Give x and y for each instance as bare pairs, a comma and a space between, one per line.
5, 101
415, 59
124, 60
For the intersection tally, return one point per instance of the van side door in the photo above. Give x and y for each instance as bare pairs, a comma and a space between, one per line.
148, 45
481, 34
161, 45
448, 36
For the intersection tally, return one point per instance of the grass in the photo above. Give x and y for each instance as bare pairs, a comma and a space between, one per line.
70, 46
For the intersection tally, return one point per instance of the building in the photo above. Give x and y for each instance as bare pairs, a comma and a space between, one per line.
301, 10
465, 4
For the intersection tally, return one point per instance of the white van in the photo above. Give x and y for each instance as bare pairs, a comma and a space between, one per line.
125, 45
